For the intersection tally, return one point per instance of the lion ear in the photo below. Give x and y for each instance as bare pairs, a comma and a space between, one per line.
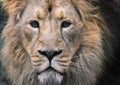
85, 8
12, 6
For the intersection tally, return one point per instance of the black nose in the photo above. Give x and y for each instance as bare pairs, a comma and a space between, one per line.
50, 54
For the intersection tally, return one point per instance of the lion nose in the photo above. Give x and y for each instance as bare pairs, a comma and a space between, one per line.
50, 54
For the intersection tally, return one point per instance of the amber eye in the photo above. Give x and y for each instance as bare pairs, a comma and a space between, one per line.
65, 24
34, 23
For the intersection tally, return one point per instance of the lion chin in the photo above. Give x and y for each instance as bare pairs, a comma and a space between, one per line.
50, 77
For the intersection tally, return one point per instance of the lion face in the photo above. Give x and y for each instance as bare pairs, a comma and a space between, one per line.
50, 35
54, 41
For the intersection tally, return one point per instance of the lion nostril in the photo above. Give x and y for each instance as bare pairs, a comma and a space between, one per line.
43, 53
50, 54
55, 53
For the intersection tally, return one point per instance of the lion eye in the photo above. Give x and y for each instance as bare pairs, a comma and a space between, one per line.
34, 23
65, 24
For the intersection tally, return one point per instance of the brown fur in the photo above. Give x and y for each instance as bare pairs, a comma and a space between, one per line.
82, 59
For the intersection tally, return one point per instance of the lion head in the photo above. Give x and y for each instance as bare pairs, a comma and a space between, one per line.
53, 42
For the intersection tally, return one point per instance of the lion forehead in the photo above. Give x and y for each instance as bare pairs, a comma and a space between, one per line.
54, 9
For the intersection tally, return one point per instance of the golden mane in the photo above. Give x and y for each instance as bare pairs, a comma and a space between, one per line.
18, 63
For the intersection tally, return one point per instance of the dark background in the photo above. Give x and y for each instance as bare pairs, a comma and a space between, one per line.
3, 18
110, 10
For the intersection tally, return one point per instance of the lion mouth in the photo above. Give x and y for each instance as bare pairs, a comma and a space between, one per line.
50, 76
50, 69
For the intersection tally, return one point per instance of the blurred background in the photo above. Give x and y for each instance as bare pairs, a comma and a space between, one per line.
3, 18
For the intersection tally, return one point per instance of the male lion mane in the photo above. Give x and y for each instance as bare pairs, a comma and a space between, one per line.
17, 63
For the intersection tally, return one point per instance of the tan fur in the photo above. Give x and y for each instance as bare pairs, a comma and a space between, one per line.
82, 57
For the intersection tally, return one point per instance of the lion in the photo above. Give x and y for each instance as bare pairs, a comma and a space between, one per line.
54, 42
